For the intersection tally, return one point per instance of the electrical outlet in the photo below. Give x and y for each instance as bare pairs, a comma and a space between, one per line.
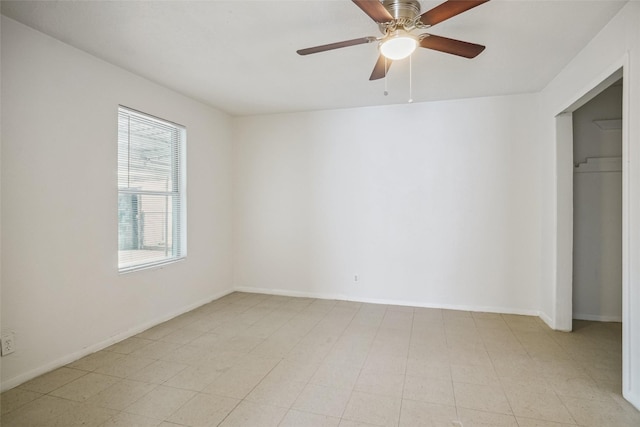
8, 341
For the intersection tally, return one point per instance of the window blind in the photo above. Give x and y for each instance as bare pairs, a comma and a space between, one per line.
151, 182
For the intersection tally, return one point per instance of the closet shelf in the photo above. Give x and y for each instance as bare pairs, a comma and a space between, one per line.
609, 124
599, 164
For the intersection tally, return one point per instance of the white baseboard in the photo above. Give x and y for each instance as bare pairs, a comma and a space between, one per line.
340, 297
546, 319
597, 317
72, 357
633, 398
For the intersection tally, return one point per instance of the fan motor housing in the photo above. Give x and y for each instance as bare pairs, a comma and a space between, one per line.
402, 10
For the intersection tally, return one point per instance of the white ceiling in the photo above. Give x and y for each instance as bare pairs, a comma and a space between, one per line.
240, 56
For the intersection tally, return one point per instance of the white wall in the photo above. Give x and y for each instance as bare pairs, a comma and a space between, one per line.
597, 200
61, 292
453, 204
616, 46
430, 204
590, 140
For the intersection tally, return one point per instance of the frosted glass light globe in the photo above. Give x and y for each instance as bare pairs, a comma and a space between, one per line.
398, 46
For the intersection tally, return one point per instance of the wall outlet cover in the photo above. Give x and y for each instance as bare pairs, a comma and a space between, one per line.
8, 343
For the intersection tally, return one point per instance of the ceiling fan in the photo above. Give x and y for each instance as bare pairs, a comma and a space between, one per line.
398, 20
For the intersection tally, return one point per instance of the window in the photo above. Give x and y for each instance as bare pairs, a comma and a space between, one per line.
151, 191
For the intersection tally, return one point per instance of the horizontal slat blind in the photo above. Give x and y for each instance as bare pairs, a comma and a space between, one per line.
150, 190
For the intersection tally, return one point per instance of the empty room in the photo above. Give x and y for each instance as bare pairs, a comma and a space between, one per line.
320, 213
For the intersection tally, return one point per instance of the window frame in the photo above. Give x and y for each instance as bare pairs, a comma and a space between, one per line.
179, 174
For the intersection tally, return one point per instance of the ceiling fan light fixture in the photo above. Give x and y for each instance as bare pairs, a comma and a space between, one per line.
398, 45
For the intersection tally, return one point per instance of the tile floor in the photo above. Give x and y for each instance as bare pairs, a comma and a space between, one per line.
259, 360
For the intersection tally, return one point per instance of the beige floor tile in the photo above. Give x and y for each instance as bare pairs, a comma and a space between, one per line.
85, 387
222, 360
336, 375
204, 410
257, 364
182, 336
558, 367
156, 350
16, 398
526, 385
121, 394
496, 341
596, 413
380, 383
475, 356
604, 373
449, 315
195, 378
324, 357
275, 347
207, 341
253, 414
473, 418
428, 369
236, 383
124, 419
242, 344
436, 354
349, 423
543, 406
38, 413
309, 352
203, 325
474, 374
129, 345
516, 367
189, 355
263, 330
183, 320
84, 415
481, 397
160, 402
373, 409
626, 406
124, 367
581, 387
385, 364
158, 372
501, 353
425, 338
295, 418
354, 355
461, 329
486, 315
52, 380
613, 388
95, 360
428, 390
230, 328
415, 413
530, 422
157, 332
276, 392
322, 400
289, 370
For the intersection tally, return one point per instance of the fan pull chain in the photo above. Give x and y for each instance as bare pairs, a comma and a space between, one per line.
410, 79
386, 92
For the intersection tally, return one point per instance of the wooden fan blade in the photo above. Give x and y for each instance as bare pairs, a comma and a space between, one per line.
337, 45
448, 10
454, 47
381, 68
374, 9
